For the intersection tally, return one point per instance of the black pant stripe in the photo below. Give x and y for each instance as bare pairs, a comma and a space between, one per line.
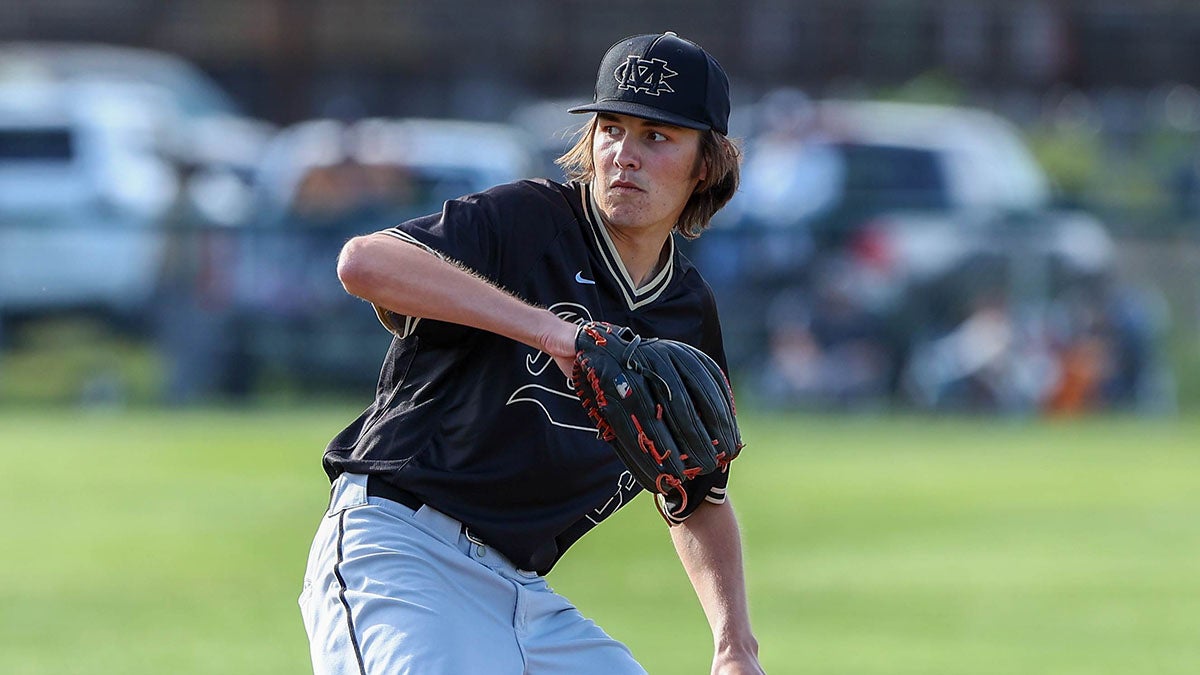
337, 571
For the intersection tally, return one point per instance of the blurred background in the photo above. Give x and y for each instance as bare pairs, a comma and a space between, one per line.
960, 287
981, 206
975, 206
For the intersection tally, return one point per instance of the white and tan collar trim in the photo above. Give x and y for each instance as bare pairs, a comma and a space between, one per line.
635, 296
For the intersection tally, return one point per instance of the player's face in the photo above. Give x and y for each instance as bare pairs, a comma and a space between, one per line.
645, 171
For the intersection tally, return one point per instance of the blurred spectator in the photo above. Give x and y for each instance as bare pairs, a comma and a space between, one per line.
1090, 349
790, 176
216, 160
1107, 339
193, 301
989, 362
827, 349
791, 173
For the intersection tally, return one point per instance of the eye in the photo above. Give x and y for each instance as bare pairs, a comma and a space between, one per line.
610, 130
657, 136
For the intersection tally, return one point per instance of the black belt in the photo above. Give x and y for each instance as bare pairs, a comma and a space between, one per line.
378, 487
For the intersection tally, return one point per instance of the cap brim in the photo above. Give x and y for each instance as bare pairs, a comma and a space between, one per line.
639, 110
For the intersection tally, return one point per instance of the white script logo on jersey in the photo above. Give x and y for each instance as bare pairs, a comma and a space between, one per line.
627, 488
537, 363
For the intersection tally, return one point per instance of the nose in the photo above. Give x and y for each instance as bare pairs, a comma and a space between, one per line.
626, 154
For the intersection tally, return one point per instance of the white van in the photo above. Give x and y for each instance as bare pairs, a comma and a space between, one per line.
86, 179
81, 193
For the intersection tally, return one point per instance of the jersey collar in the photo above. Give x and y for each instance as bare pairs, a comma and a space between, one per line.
635, 297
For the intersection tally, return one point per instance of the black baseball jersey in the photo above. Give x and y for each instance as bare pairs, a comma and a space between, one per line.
486, 429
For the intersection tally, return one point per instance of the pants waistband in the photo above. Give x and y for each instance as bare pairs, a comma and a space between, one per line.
378, 487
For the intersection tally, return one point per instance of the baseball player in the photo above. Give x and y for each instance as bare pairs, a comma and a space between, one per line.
475, 468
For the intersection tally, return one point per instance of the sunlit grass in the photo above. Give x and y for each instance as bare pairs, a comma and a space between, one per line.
175, 542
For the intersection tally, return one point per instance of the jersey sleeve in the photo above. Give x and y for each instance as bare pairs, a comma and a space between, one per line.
397, 324
708, 488
494, 234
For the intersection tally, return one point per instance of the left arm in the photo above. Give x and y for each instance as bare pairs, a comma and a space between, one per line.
710, 548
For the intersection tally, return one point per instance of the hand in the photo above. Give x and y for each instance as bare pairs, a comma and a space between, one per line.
566, 364
558, 340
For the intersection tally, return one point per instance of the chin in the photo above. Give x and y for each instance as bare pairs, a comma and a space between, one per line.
624, 215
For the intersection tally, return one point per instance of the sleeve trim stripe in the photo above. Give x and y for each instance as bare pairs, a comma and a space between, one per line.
661, 503
390, 319
406, 237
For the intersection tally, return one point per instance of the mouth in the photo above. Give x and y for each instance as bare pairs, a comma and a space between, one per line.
623, 186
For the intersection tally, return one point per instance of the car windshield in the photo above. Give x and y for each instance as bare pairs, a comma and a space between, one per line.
832, 184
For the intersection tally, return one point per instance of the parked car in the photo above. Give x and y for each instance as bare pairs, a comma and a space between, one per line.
881, 222
322, 182
912, 190
81, 193
88, 173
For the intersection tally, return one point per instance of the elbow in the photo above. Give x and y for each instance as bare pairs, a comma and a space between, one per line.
356, 266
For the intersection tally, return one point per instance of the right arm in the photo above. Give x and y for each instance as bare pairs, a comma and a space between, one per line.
410, 281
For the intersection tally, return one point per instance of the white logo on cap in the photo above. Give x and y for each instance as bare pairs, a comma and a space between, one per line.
648, 75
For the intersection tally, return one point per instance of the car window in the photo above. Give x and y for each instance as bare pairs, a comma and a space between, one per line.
35, 145
883, 178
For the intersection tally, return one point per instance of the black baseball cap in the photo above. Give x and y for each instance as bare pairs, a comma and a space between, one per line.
663, 78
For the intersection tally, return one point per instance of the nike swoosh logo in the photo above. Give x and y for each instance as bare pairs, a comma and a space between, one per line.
579, 278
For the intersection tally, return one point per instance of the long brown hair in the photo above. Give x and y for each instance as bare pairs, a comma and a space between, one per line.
720, 153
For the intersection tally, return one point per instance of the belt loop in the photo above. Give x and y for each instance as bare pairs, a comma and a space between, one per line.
348, 490
441, 525
478, 548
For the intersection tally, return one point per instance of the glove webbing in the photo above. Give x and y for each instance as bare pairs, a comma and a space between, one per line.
592, 405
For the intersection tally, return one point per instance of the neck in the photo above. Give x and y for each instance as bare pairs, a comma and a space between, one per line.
642, 253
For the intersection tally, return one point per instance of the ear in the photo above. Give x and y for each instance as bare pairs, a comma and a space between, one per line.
700, 169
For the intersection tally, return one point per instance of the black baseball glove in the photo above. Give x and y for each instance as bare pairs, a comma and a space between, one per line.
665, 406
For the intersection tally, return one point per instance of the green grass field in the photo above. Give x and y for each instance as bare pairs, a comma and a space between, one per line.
174, 542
